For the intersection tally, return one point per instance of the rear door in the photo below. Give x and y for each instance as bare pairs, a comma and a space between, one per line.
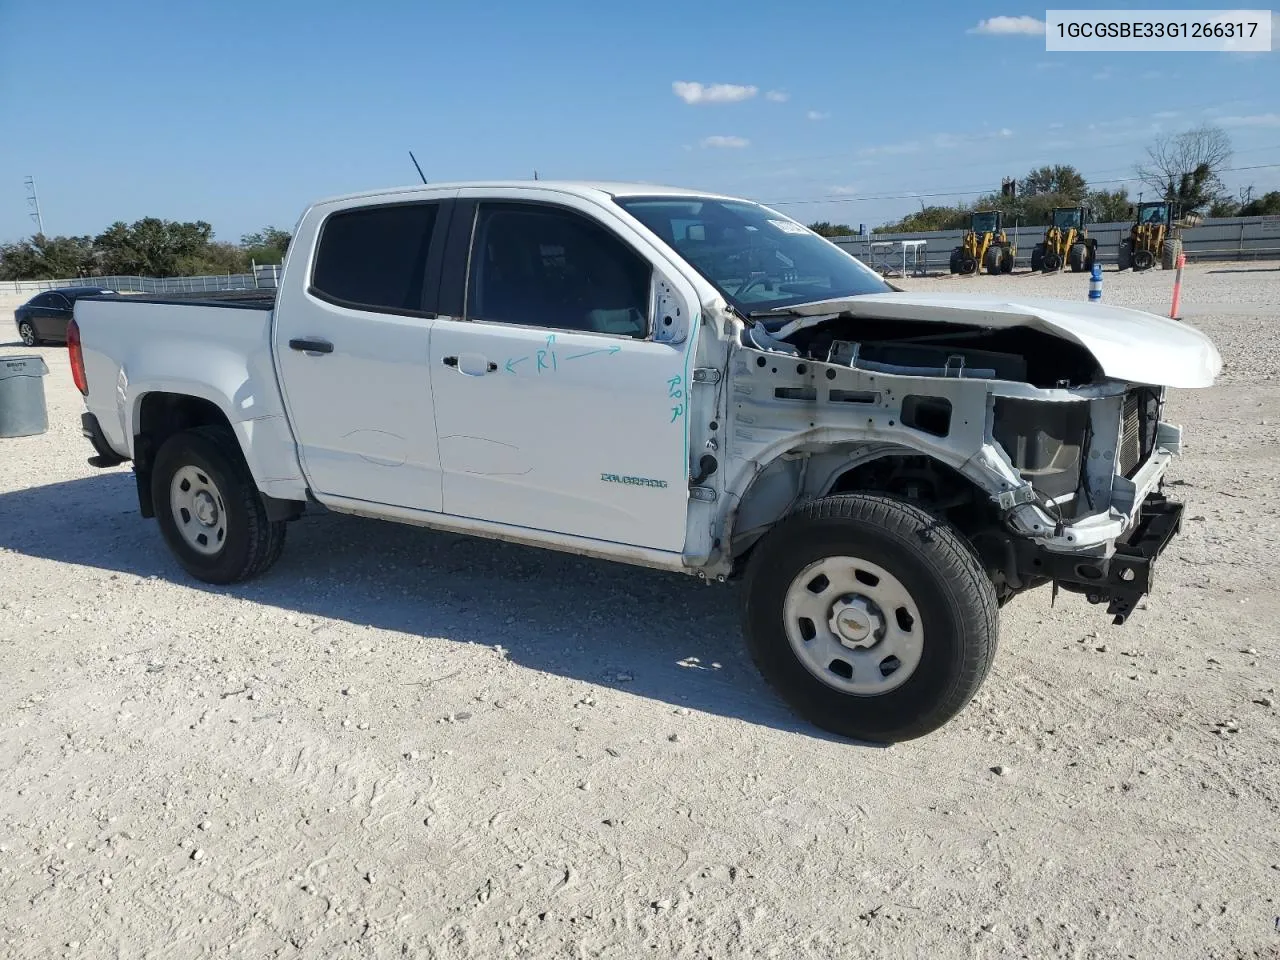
351, 347
556, 406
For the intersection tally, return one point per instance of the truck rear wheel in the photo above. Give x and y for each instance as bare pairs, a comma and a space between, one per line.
872, 618
209, 509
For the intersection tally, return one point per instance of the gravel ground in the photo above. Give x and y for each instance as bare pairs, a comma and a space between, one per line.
403, 743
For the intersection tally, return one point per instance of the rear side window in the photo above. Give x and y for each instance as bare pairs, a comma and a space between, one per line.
375, 258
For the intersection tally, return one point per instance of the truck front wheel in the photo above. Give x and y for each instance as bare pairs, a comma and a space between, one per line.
872, 618
209, 510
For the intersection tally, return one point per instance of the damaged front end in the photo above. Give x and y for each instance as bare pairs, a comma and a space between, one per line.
1049, 466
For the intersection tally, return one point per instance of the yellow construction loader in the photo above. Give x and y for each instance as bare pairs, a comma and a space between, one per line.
984, 244
1066, 242
1156, 235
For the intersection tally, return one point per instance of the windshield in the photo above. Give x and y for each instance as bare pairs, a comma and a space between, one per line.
758, 259
1153, 213
984, 223
1067, 218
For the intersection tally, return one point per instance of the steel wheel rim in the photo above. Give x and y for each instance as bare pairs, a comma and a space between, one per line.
853, 625
198, 510
27, 332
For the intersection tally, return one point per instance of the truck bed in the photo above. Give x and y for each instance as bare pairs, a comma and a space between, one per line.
262, 298
212, 346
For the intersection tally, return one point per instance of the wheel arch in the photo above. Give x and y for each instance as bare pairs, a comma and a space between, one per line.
795, 477
159, 414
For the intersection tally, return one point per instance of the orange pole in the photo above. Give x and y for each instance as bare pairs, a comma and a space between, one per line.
1177, 287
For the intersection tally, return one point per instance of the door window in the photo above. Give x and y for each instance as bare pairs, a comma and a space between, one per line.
548, 267
375, 258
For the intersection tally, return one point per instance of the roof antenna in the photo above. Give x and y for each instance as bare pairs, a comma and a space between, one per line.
415, 163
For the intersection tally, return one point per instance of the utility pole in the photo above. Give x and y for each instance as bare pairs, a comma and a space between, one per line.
34, 199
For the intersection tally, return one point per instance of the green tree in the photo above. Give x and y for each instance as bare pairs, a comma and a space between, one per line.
1109, 206
268, 245
826, 229
152, 247
47, 258
927, 219
1267, 205
1061, 179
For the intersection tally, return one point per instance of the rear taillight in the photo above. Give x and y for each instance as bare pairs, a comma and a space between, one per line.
77, 358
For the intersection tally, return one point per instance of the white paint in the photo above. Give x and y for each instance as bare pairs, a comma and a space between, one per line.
1128, 344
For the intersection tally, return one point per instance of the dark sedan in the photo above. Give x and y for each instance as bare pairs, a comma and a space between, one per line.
44, 318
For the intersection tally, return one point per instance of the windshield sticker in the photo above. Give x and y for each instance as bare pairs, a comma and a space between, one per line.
786, 226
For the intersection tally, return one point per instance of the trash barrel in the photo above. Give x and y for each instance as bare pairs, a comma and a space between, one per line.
23, 412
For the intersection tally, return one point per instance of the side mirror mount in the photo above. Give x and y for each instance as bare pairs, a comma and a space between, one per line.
670, 313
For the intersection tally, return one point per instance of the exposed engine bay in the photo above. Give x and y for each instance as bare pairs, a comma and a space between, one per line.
926, 348
1015, 435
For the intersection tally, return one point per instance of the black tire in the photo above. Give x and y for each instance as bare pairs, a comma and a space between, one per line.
1037, 257
1077, 256
955, 260
991, 259
1169, 257
1092, 258
28, 334
1142, 260
1124, 259
944, 579
251, 542
1006, 265
968, 265
1052, 261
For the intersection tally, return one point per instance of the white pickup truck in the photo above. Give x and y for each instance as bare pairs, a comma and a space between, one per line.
675, 379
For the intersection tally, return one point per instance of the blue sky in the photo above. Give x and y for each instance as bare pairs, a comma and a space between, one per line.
241, 113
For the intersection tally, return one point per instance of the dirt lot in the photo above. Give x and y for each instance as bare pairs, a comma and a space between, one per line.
401, 743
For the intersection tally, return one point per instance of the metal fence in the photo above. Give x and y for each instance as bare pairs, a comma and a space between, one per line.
1226, 238
262, 277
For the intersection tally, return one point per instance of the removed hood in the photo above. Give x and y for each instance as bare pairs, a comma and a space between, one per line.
1128, 344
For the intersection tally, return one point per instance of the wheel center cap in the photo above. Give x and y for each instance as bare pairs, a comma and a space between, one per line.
855, 624
206, 509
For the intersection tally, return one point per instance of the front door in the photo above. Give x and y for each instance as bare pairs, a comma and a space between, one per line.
51, 319
555, 407
351, 344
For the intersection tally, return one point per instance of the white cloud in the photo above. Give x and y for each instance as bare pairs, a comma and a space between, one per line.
777, 96
1049, 64
735, 143
817, 115
1152, 75
1167, 114
848, 191
1009, 26
1103, 74
1255, 120
1056, 126
692, 92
